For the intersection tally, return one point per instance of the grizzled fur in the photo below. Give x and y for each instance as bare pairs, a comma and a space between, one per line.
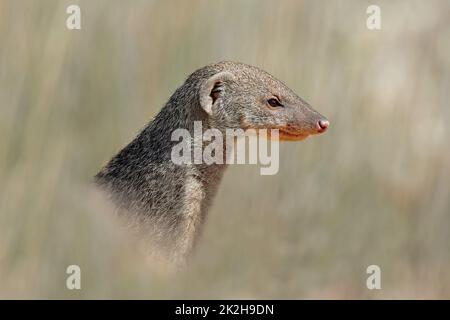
170, 201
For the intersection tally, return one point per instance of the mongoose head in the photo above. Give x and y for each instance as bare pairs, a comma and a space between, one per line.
239, 96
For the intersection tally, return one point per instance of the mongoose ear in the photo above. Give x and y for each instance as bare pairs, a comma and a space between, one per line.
213, 89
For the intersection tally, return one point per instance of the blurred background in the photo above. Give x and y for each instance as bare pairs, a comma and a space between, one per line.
374, 189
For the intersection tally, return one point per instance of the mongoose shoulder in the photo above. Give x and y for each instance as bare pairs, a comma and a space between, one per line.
170, 200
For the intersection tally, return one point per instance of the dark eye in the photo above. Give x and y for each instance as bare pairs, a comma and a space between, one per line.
274, 102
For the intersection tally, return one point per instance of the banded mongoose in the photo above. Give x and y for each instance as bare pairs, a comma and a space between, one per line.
169, 200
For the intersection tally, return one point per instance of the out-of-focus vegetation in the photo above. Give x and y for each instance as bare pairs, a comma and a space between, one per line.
375, 189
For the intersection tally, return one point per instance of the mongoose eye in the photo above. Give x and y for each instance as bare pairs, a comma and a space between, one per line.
274, 102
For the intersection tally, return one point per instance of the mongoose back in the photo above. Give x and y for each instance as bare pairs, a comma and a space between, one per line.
170, 201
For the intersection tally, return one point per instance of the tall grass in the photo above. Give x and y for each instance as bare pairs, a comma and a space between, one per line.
374, 190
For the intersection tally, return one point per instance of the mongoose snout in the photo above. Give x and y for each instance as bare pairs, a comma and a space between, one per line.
170, 200
302, 122
323, 125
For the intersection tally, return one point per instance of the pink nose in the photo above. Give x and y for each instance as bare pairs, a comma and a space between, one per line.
323, 125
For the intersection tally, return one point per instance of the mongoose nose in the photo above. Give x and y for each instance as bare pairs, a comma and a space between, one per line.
323, 125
